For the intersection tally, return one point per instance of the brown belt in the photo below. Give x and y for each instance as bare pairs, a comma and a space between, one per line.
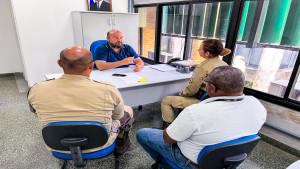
191, 162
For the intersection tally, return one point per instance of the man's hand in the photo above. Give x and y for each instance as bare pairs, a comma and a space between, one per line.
139, 64
127, 60
180, 93
138, 68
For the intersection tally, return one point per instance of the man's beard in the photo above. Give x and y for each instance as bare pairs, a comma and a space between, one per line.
115, 45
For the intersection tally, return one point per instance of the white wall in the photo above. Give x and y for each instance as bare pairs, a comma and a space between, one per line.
44, 29
10, 59
120, 6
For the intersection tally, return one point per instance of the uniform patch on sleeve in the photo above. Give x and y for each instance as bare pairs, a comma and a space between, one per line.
194, 74
191, 80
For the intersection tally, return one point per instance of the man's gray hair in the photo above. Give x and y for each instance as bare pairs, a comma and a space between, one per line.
228, 79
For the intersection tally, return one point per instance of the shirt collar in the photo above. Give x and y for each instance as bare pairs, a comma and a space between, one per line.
209, 59
222, 97
74, 77
99, 2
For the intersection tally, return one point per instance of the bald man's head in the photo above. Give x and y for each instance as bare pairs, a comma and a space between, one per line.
115, 38
113, 31
75, 59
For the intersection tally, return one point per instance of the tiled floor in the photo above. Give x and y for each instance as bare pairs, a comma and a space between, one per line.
21, 143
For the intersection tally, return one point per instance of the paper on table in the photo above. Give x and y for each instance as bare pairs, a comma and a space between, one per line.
163, 67
130, 78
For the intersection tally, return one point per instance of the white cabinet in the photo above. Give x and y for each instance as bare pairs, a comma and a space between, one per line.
91, 26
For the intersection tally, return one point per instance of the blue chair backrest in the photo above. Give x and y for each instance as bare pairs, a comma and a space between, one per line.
94, 46
213, 156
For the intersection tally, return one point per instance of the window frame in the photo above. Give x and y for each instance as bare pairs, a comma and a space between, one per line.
231, 41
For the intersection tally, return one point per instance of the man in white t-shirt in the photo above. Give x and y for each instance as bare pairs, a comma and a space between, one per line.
227, 115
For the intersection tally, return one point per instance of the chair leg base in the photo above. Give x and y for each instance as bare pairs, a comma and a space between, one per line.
140, 107
65, 165
116, 159
158, 160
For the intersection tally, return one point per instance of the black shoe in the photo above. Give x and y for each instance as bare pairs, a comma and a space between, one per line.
156, 167
122, 145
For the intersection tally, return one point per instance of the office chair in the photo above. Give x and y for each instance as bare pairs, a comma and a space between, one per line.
94, 46
76, 136
225, 155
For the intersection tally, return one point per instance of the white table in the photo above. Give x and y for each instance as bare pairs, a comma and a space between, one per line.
159, 84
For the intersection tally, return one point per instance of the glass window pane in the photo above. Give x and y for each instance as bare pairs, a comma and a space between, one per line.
295, 94
210, 20
174, 23
259, 53
195, 54
147, 23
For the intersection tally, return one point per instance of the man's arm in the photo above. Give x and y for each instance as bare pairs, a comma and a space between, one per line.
139, 64
102, 65
116, 97
30, 98
181, 128
167, 138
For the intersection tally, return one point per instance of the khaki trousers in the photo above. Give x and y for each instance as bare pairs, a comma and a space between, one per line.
170, 102
130, 112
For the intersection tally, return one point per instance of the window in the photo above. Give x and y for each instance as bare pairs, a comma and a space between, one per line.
247, 57
265, 52
295, 93
174, 22
147, 31
288, 60
210, 20
265, 46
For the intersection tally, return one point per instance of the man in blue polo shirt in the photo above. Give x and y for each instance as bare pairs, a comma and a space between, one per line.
116, 54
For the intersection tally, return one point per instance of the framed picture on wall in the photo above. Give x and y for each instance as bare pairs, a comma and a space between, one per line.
99, 5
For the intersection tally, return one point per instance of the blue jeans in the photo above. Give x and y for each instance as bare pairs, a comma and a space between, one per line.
152, 141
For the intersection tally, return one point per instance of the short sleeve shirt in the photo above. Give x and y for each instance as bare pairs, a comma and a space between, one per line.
212, 121
105, 53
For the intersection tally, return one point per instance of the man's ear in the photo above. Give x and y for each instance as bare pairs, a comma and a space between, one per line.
212, 89
91, 66
107, 38
59, 63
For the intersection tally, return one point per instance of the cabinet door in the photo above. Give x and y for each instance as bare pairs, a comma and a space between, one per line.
128, 25
94, 27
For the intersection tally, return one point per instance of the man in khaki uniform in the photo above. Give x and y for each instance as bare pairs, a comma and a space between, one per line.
196, 87
75, 97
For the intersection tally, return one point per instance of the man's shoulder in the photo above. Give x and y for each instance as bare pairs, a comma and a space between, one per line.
253, 101
43, 84
106, 84
103, 46
46, 82
126, 46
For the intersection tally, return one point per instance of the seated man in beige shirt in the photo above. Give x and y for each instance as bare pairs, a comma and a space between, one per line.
75, 97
